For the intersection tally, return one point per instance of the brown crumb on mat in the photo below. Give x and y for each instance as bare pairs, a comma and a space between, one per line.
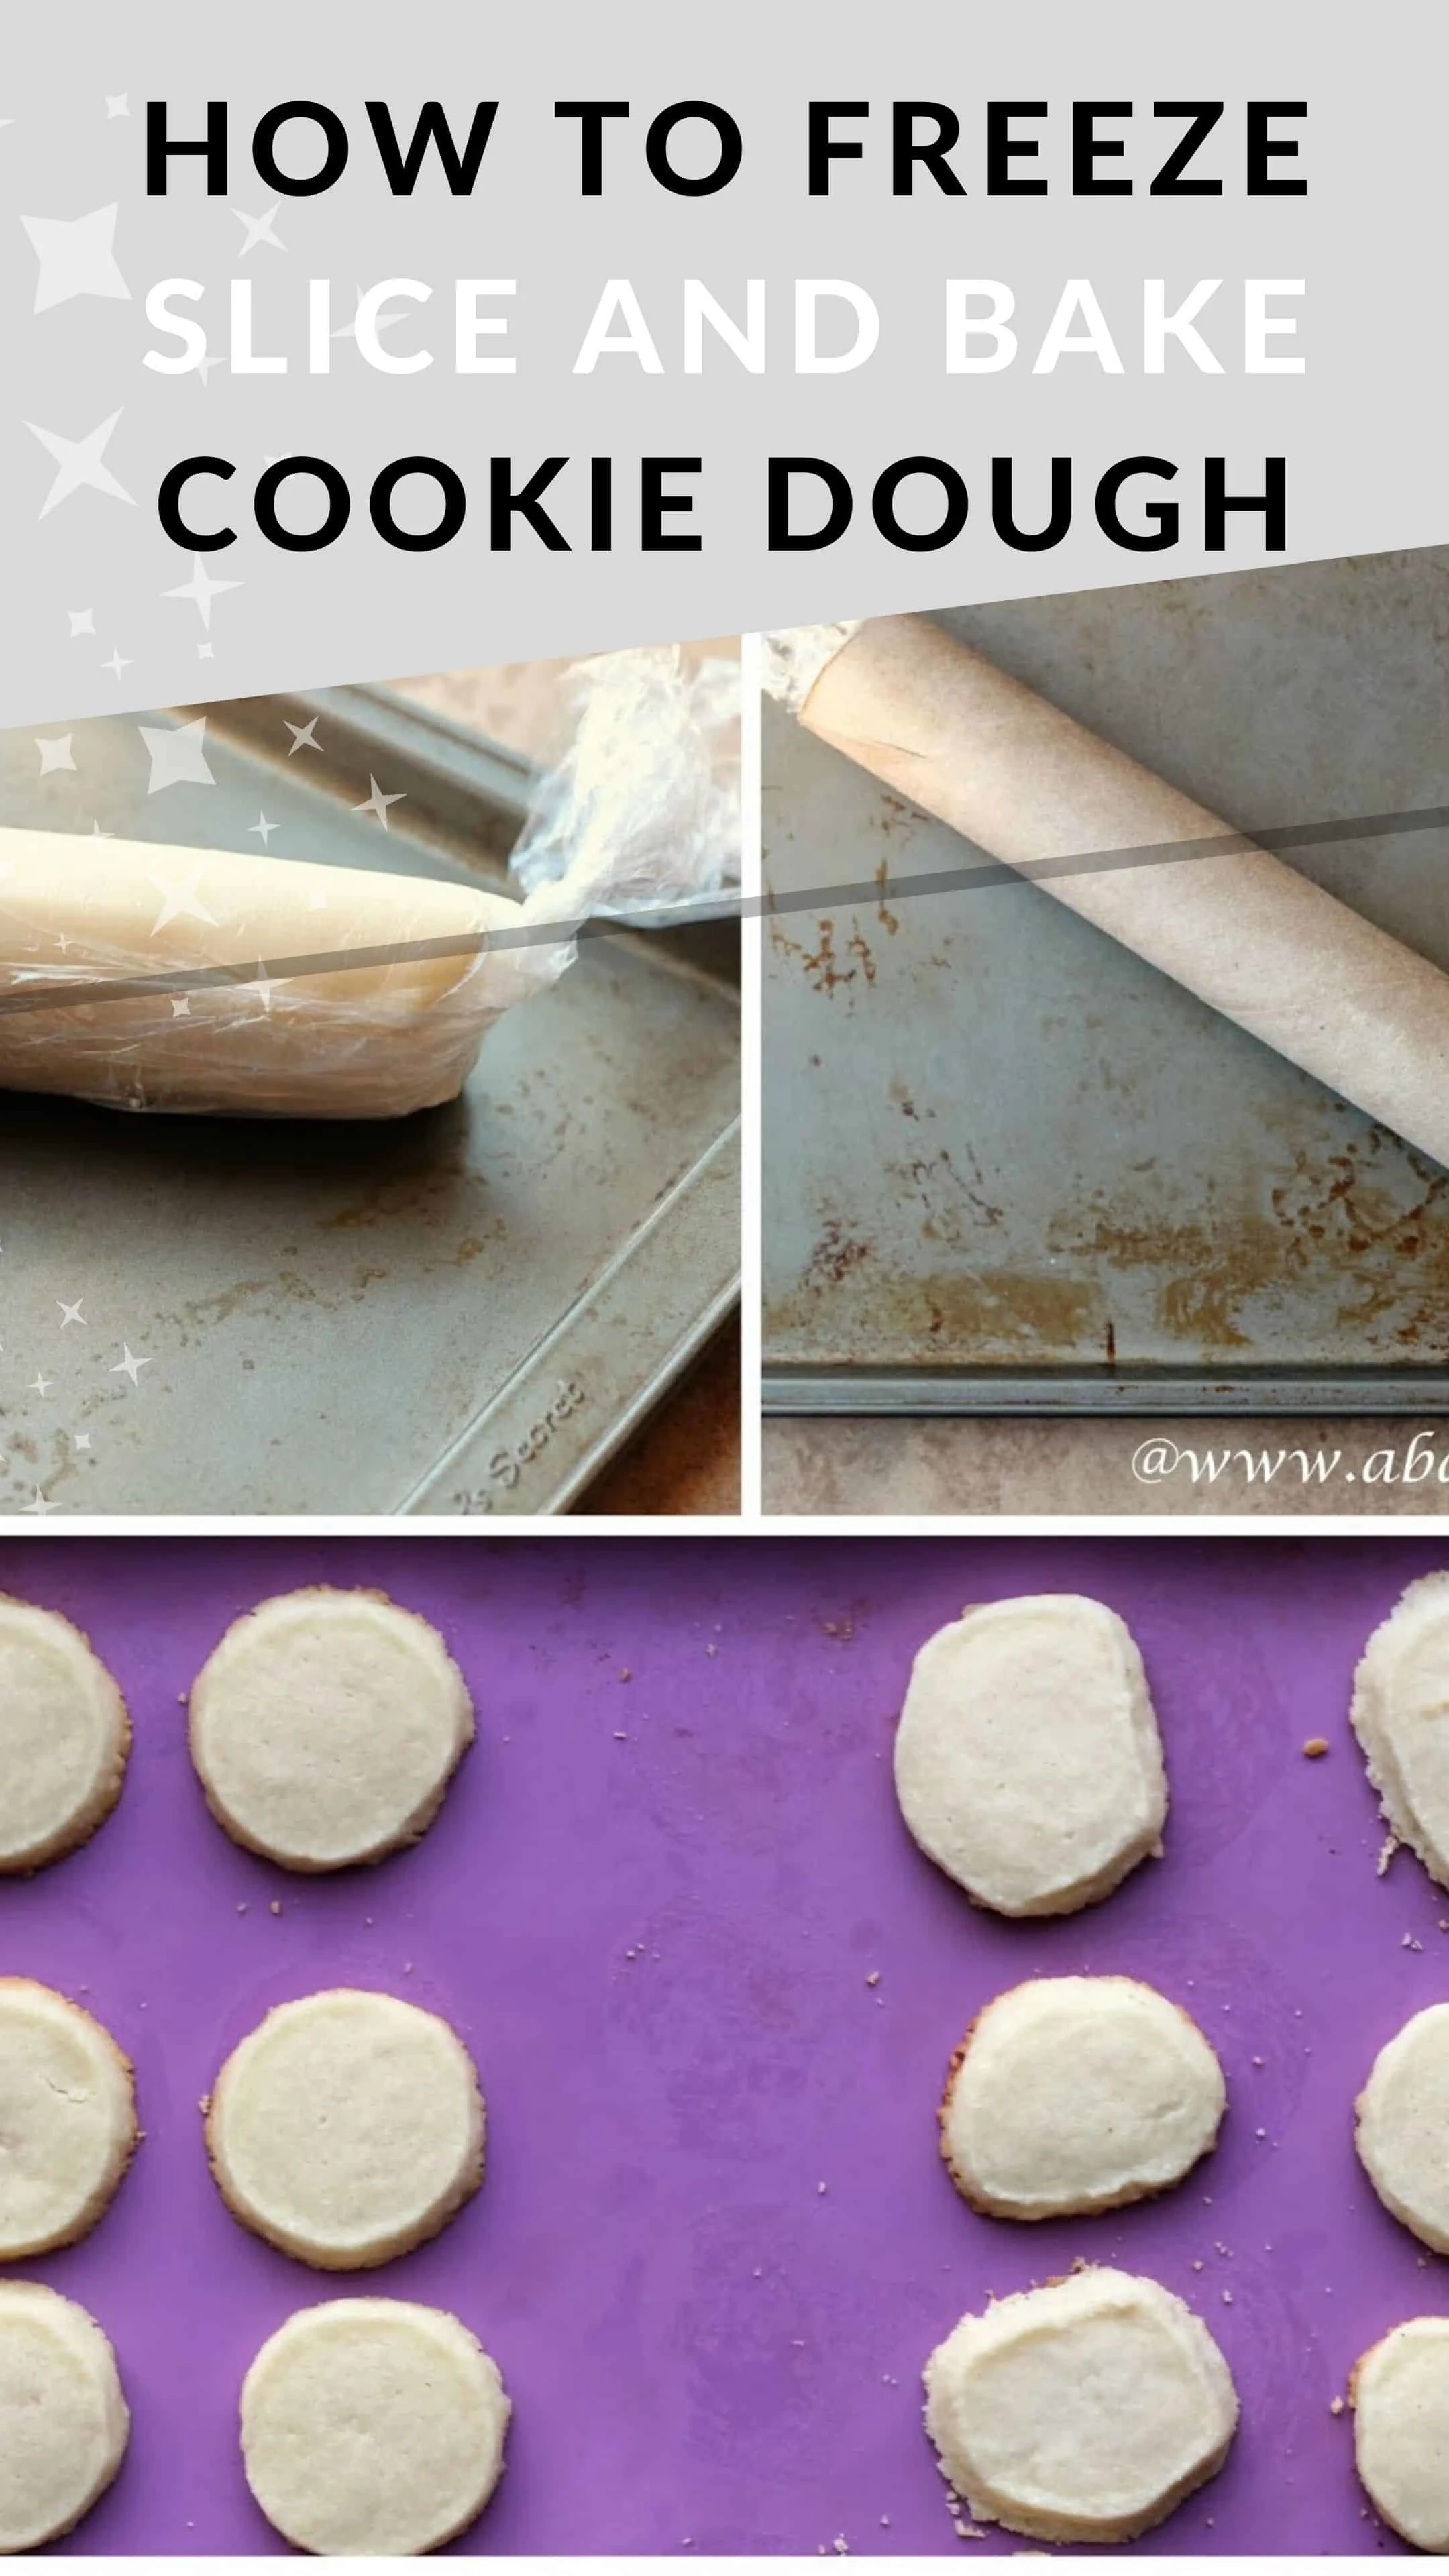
1316, 1747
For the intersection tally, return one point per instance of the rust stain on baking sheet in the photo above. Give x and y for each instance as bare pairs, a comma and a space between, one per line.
977, 1317
888, 920
953, 1206
835, 1254
1390, 1261
824, 969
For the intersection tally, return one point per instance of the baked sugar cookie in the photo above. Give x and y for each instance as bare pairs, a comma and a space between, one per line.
1083, 2411
64, 1737
373, 2429
347, 2128
1078, 2093
326, 1727
67, 2120
64, 2425
1400, 1715
1403, 2126
1027, 1759
1399, 2392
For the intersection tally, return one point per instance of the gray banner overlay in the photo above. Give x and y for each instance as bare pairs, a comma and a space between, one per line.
104, 611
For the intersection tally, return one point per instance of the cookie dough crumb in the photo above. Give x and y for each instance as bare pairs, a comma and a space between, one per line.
1335, 2406
874, 1978
1387, 1849
1409, 1943
1316, 1747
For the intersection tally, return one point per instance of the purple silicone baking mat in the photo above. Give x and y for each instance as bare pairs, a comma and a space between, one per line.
712, 1989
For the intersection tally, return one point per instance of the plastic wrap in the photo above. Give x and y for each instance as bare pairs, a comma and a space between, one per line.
145, 977
644, 807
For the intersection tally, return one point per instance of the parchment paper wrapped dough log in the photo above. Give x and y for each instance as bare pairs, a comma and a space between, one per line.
1239, 928
372, 1041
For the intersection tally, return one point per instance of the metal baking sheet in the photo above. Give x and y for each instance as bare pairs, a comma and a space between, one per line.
716, 2240
465, 1311
1011, 1168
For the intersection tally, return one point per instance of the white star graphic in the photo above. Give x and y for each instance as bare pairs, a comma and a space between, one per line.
179, 901
82, 621
118, 662
119, 106
177, 756
40, 1504
180, 1006
55, 752
304, 737
262, 988
377, 803
80, 464
82, 1440
202, 589
206, 652
69, 1314
42, 1384
129, 1366
98, 835
204, 365
265, 828
382, 321
75, 258
257, 228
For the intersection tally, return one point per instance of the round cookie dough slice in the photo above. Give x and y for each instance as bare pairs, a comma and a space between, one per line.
347, 2128
1027, 1761
1403, 2126
326, 1727
1073, 2094
1400, 1715
64, 1738
1399, 2392
64, 2424
67, 2120
372, 2428
1083, 2411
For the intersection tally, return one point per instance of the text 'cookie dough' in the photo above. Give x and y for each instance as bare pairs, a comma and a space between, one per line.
326, 1727
64, 1737
1400, 2396
1401, 1718
347, 2128
1083, 2411
1075, 2094
1403, 2126
372, 2428
64, 2424
67, 2120
1027, 1758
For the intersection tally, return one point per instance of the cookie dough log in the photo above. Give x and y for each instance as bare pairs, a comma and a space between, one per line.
373, 1041
1083, 2411
65, 1738
1399, 2392
67, 2120
326, 1727
1402, 2126
64, 2423
1400, 1715
372, 2428
1241, 929
1074, 2094
1027, 1760
347, 2129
